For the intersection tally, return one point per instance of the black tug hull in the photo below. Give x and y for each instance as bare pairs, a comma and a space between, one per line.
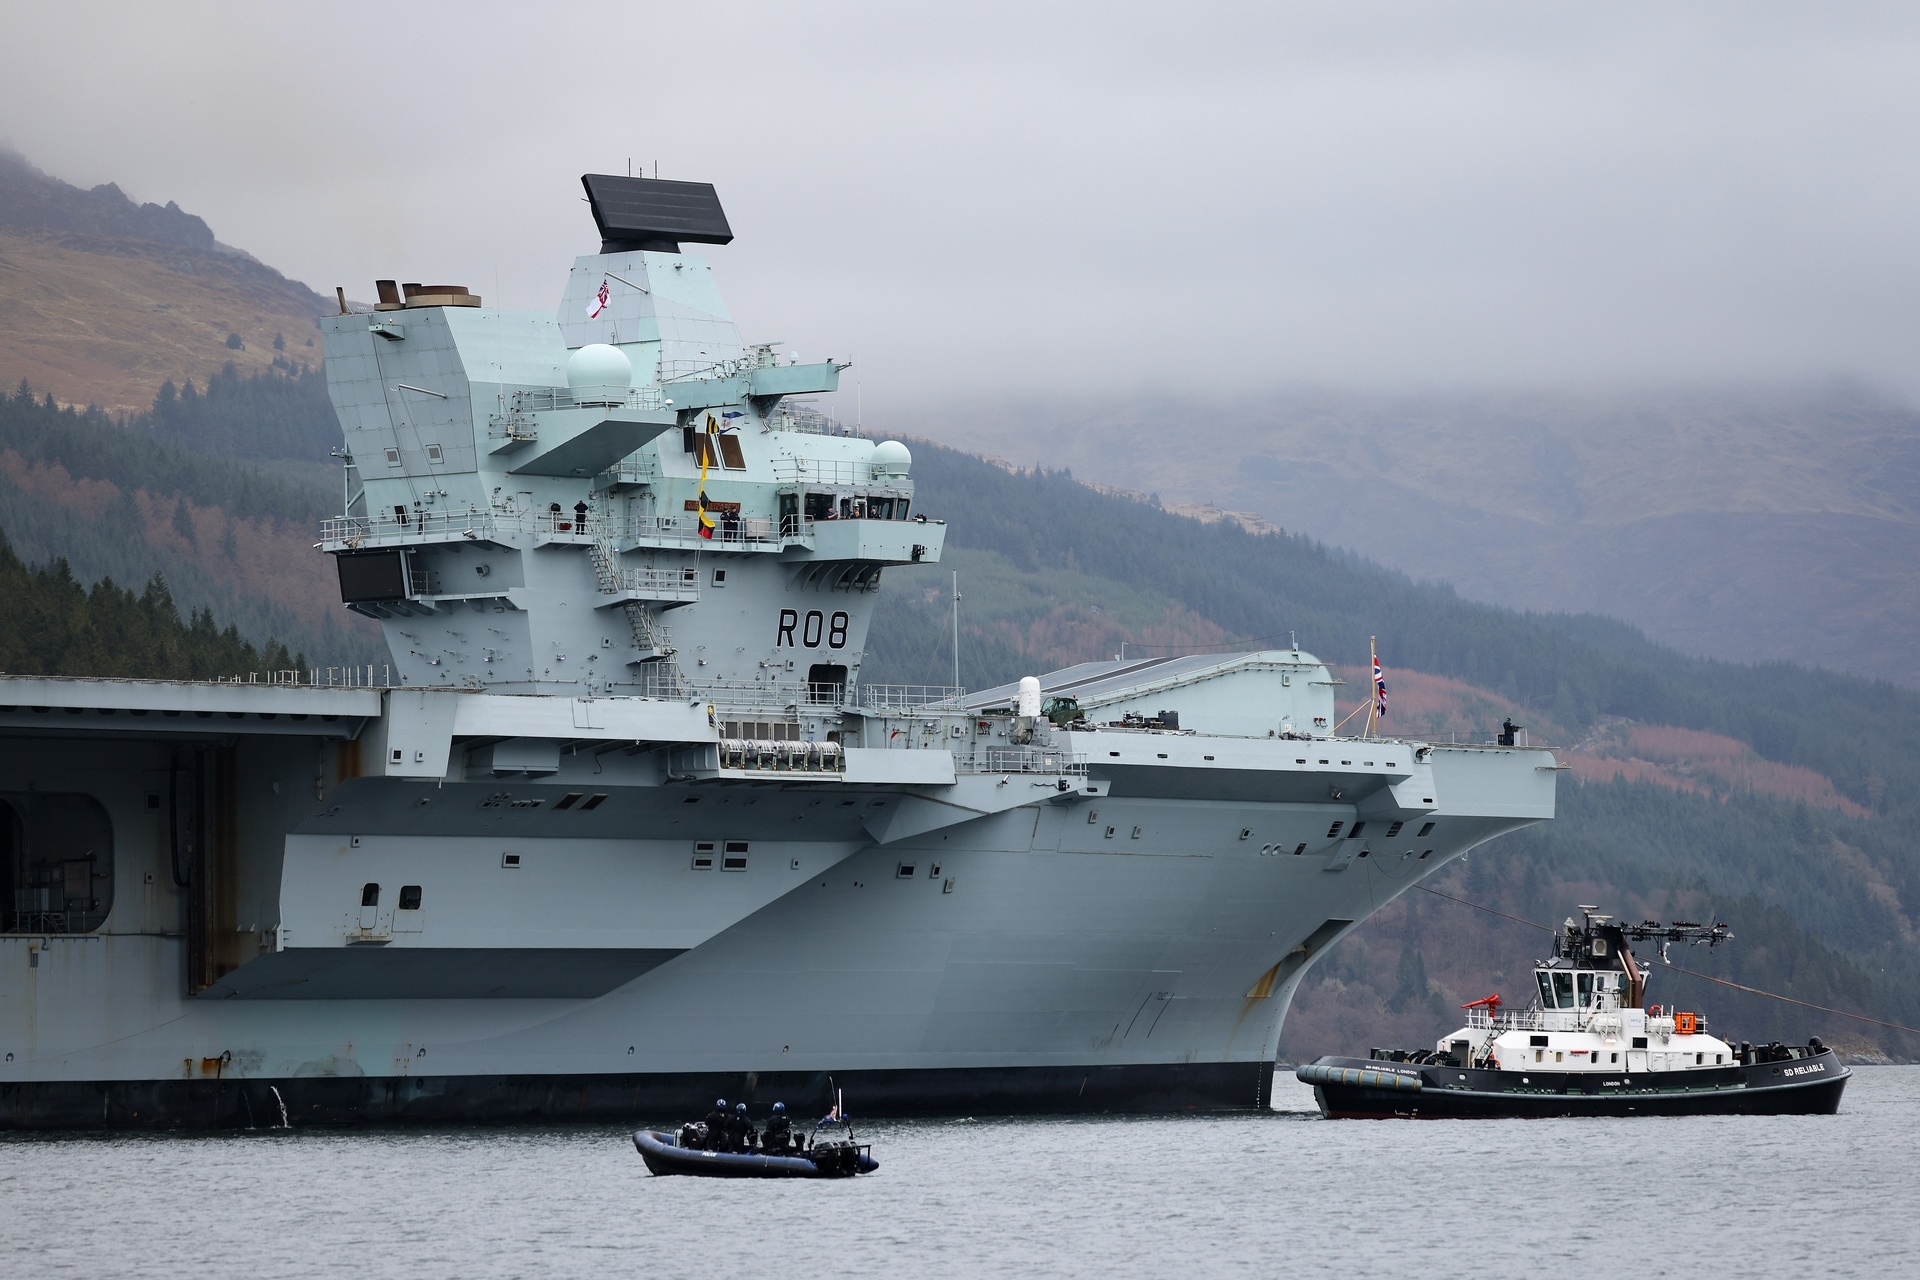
1364, 1089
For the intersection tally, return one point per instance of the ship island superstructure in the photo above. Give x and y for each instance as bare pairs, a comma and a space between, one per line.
622, 826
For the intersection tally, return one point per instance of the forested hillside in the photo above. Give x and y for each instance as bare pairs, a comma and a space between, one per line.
54, 626
1822, 895
128, 498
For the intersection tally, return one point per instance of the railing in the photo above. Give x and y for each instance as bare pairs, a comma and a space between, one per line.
414, 526
567, 525
802, 416
1025, 760
738, 698
544, 399
662, 679
511, 426
888, 697
659, 584
630, 473
1536, 1018
1479, 1019
822, 471
748, 532
360, 676
755, 357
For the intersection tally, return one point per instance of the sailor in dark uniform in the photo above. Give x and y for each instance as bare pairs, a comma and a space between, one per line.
778, 1138
742, 1131
719, 1120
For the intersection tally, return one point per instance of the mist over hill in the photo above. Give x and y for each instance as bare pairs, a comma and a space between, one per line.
1734, 522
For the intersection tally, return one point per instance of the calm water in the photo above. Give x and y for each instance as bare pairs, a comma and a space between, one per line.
1287, 1194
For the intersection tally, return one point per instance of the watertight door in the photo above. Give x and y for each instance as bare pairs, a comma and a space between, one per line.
1636, 1060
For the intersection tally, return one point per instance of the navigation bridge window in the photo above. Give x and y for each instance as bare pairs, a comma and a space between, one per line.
56, 864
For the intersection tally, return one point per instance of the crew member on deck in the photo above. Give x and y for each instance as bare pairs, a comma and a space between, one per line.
718, 1122
742, 1131
778, 1138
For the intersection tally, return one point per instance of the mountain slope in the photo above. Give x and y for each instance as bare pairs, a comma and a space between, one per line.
102, 300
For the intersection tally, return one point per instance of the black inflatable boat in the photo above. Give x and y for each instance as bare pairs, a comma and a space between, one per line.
665, 1156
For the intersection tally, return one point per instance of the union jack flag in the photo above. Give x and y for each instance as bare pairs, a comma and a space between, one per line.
1379, 689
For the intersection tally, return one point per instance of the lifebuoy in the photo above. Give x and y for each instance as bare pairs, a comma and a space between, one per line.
1685, 1024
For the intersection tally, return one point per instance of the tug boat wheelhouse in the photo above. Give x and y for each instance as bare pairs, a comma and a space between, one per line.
1588, 1046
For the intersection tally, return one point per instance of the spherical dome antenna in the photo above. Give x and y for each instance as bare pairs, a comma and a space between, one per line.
891, 458
599, 367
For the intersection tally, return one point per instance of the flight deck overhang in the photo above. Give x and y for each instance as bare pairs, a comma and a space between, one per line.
151, 708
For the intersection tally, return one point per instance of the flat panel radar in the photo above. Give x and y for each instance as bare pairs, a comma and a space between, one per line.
651, 213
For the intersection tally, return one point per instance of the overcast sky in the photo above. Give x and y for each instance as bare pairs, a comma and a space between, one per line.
976, 199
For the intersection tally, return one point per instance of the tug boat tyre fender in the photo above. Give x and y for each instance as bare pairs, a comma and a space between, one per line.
1357, 1077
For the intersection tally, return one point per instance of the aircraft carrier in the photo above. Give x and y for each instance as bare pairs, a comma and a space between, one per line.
621, 827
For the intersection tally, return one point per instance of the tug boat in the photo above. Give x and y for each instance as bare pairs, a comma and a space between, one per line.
1586, 1047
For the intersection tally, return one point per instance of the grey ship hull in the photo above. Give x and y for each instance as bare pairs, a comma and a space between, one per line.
1027, 960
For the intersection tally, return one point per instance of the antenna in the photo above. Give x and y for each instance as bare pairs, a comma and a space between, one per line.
956, 629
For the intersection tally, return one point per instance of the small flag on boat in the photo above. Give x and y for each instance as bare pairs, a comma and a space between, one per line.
599, 303
1379, 689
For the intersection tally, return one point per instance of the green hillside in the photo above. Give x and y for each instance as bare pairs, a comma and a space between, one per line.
54, 626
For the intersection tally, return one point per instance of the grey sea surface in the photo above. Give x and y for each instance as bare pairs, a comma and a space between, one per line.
1285, 1194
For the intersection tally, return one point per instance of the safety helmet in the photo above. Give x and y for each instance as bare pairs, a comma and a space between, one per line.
719, 1104
741, 1107
779, 1107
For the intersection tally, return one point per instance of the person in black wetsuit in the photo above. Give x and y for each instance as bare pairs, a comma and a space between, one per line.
741, 1132
719, 1121
778, 1139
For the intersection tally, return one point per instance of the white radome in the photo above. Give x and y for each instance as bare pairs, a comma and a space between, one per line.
891, 458
599, 365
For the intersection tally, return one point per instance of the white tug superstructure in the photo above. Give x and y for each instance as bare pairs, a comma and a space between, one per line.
1589, 1016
